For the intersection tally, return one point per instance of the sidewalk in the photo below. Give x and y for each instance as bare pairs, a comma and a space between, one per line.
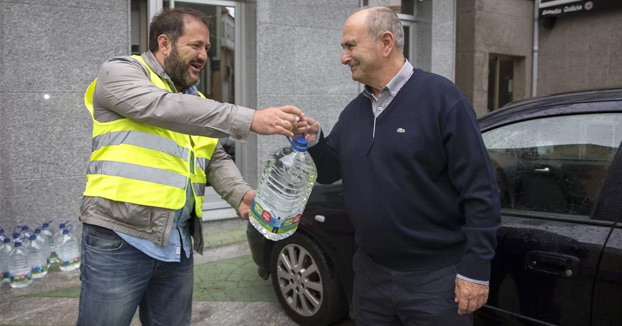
227, 289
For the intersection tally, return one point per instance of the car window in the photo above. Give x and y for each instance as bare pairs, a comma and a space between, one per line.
554, 164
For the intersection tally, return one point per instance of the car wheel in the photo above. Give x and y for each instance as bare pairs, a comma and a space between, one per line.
306, 282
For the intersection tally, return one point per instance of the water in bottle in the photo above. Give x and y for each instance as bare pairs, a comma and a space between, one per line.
5, 250
285, 186
19, 268
68, 254
38, 255
48, 235
58, 235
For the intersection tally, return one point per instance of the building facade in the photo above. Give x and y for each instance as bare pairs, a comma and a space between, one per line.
264, 53
509, 50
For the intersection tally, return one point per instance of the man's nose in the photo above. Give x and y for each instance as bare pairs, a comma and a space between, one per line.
345, 57
202, 54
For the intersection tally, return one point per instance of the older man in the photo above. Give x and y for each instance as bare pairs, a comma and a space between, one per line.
154, 148
418, 184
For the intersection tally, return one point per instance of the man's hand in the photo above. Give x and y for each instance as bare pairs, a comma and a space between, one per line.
245, 205
470, 296
281, 120
308, 126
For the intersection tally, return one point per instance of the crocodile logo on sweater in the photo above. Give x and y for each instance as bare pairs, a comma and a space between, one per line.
401, 130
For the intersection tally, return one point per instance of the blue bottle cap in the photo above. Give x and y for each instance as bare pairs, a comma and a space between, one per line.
25, 228
6, 240
300, 144
67, 229
33, 237
1, 231
18, 243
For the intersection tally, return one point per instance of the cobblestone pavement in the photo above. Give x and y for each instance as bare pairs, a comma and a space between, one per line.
227, 289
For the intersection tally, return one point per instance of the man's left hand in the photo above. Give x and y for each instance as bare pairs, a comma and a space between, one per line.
470, 296
245, 205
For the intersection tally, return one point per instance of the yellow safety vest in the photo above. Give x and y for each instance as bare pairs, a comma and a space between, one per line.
146, 165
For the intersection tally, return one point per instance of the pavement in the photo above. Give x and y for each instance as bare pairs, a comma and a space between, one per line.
227, 289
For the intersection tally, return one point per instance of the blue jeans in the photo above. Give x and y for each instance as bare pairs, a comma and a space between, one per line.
117, 278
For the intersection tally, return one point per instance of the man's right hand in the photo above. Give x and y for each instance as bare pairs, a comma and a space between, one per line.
281, 120
309, 127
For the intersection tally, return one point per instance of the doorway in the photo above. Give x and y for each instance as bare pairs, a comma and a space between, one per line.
220, 78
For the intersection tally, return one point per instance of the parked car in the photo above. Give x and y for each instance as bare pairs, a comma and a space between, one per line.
559, 253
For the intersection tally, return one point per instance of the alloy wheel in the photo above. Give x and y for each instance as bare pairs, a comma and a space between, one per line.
299, 280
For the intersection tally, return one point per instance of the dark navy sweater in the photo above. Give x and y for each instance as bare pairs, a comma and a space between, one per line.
421, 193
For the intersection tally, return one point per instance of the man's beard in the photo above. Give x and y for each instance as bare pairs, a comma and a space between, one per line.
178, 71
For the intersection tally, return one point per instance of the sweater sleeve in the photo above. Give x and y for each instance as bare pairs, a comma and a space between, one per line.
473, 176
326, 157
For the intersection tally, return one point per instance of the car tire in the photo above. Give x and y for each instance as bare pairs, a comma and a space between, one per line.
305, 282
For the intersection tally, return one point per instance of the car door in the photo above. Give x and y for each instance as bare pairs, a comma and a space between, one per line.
607, 294
550, 172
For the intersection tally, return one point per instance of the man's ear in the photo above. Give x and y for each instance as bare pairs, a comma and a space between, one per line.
388, 43
164, 44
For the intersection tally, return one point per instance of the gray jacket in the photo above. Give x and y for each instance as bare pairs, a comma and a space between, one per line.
124, 90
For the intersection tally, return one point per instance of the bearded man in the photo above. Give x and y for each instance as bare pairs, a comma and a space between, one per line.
154, 148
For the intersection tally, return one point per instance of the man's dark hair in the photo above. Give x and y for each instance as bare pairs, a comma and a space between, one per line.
171, 23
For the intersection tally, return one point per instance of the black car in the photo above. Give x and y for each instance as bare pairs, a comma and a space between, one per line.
559, 254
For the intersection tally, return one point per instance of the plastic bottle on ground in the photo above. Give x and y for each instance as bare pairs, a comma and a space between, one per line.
68, 253
37, 255
285, 186
58, 235
5, 250
48, 235
19, 268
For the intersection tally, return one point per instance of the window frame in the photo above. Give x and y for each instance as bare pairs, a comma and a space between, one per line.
615, 168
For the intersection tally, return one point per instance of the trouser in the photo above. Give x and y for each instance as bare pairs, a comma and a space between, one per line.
117, 278
386, 297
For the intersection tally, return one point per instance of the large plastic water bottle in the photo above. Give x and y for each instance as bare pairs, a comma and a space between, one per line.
48, 235
5, 250
38, 255
19, 268
286, 183
68, 254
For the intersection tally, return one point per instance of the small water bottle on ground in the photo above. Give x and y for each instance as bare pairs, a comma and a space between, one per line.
285, 186
5, 250
38, 254
19, 268
68, 253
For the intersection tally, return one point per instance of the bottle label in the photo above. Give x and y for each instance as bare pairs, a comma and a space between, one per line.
271, 221
21, 278
39, 269
70, 262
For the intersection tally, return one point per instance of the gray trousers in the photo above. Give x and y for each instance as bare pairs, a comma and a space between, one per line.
386, 297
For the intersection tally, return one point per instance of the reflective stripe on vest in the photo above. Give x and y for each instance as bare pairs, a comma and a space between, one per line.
137, 172
141, 139
146, 165
199, 189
